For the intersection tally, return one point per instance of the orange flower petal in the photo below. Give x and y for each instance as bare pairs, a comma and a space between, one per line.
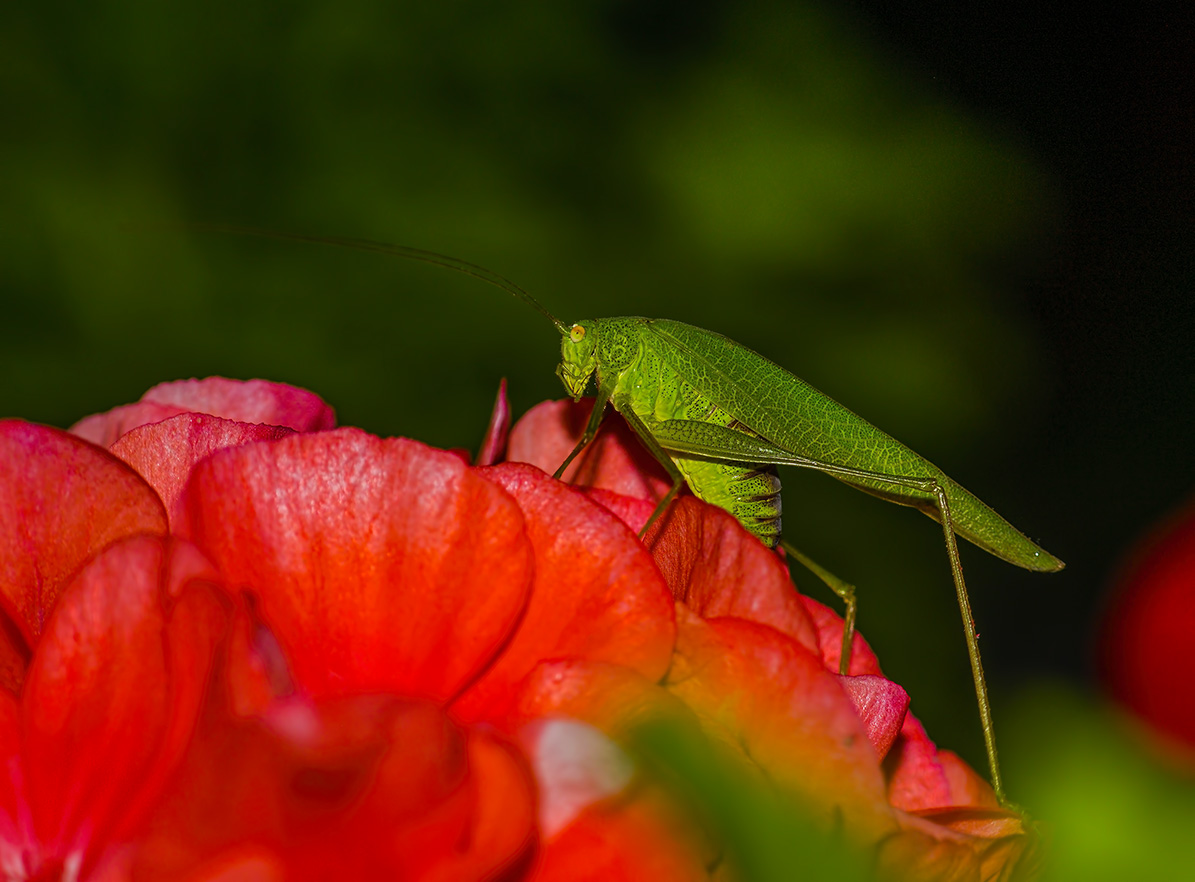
990, 845
769, 693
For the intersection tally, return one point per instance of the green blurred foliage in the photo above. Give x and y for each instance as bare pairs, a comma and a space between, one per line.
764, 169
1112, 805
1107, 805
765, 835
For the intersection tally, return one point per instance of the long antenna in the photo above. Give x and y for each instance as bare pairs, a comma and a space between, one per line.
452, 263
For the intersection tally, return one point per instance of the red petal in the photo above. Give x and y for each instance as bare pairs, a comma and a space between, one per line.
381, 565
246, 401
916, 780
829, 628
597, 593
114, 690
14, 837
494, 444
14, 655
616, 460
165, 452
633, 512
502, 837
61, 500
967, 788
881, 705
628, 841
1148, 632
769, 693
594, 824
366, 787
613, 698
576, 766
718, 569
104, 428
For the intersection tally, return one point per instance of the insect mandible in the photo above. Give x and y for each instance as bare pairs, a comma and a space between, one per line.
721, 418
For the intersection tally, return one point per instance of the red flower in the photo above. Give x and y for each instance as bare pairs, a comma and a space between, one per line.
757, 662
358, 657
382, 566
113, 628
1149, 630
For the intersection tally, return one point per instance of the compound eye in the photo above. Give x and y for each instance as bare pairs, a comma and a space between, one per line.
576, 334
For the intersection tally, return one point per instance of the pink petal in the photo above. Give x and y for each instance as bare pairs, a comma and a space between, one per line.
104, 428
916, 779
165, 452
630, 510
246, 401
967, 787
494, 444
616, 460
576, 765
881, 705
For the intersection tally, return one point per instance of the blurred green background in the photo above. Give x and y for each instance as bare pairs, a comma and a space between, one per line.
972, 227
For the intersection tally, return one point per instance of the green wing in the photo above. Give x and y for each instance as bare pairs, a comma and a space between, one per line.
794, 416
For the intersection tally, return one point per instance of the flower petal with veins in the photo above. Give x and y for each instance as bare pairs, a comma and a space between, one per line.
380, 565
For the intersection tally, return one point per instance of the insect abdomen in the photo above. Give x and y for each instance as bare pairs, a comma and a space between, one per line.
751, 493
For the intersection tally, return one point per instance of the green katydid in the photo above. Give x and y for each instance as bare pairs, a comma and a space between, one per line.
722, 417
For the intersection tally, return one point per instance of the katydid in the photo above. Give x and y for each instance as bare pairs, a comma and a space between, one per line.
722, 418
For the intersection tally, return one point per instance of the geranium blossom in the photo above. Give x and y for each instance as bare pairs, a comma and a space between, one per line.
371, 659
114, 626
757, 661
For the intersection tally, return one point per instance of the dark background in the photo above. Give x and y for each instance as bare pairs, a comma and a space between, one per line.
971, 226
